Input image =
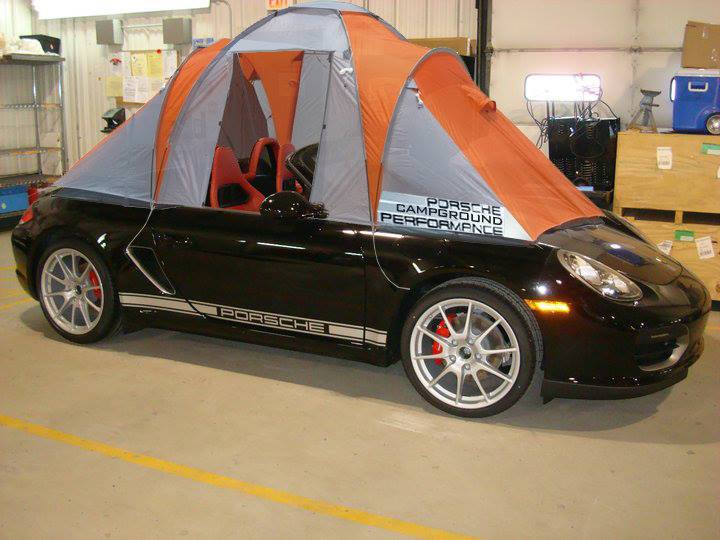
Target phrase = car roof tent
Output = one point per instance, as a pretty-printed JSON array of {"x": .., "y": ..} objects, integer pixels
[{"x": 406, "y": 137}]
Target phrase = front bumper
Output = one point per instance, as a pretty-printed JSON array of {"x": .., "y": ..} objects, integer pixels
[
  {"x": 622, "y": 390},
  {"x": 603, "y": 350}
]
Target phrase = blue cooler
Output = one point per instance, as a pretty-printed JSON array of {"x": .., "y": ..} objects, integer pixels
[
  {"x": 13, "y": 199},
  {"x": 695, "y": 94}
]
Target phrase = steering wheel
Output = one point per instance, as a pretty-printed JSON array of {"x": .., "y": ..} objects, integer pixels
[{"x": 298, "y": 178}]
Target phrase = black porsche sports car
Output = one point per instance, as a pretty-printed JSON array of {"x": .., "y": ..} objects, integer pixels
[{"x": 602, "y": 312}]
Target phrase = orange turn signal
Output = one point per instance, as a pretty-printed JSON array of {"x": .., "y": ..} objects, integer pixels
[{"x": 548, "y": 306}]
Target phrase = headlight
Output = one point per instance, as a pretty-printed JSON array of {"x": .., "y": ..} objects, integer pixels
[{"x": 599, "y": 277}]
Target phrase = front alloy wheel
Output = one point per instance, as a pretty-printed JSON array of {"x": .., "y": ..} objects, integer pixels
[
  {"x": 474, "y": 356},
  {"x": 471, "y": 348}
]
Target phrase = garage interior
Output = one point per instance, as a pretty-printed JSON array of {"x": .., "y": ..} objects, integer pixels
[{"x": 158, "y": 433}]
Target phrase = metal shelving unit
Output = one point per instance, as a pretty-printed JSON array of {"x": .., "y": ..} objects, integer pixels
[{"x": 35, "y": 62}]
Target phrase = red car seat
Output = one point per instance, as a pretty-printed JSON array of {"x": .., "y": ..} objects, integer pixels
[
  {"x": 260, "y": 145},
  {"x": 226, "y": 172}
]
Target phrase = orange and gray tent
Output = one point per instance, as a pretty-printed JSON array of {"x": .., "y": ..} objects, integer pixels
[{"x": 406, "y": 139}]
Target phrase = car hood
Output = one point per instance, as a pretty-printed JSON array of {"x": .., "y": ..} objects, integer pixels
[{"x": 628, "y": 255}]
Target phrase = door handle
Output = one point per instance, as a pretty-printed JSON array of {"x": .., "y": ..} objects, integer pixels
[{"x": 178, "y": 241}]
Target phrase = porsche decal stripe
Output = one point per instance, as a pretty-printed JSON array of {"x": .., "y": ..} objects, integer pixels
[
  {"x": 281, "y": 322},
  {"x": 376, "y": 337},
  {"x": 252, "y": 317},
  {"x": 157, "y": 302}
]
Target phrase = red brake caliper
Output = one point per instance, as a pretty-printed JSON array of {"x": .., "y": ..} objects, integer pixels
[
  {"x": 95, "y": 281},
  {"x": 444, "y": 331}
]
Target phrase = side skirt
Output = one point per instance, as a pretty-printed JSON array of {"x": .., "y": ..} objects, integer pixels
[{"x": 306, "y": 335}]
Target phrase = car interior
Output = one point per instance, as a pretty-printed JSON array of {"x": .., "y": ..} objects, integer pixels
[{"x": 242, "y": 184}]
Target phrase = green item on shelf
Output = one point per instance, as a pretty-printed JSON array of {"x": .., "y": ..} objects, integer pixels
[
  {"x": 684, "y": 236},
  {"x": 712, "y": 149}
]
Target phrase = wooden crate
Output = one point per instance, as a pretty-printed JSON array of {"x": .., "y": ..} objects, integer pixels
[
  {"x": 692, "y": 185},
  {"x": 708, "y": 270}
]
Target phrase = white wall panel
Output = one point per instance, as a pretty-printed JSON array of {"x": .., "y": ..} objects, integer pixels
[
  {"x": 15, "y": 18},
  {"x": 412, "y": 18},
  {"x": 16, "y": 126},
  {"x": 442, "y": 18},
  {"x": 387, "y": 9},
  {"x": 562, "y": 23},
  {"x": 662, "y": 22}
]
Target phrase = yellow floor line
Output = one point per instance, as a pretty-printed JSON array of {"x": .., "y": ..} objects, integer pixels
[
  {"x": 11, "y": 267},
  {"x": 16, "y": 303},
  {"x": 281, "y": 497}
]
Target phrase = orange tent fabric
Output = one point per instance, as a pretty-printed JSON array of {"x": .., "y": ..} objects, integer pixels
[
  {"x": 178, "y": 90},
  {"x": 527, "y": 183},
  {"x": 382, "y": 64},
  {"x": 280, "y": 76}
]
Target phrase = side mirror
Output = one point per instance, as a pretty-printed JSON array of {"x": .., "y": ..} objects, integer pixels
[{"x": 290, "y": 205}]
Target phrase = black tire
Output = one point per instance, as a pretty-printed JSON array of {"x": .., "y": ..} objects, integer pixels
[
  {"x": 512, "y": 309},
  {"x": 110, "y": 318}
]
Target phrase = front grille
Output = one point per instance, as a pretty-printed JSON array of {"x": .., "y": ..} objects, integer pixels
[{"x": 660, "y": 349}]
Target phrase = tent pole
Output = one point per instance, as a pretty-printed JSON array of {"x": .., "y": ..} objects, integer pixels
[{"x": 482, "y": 52}]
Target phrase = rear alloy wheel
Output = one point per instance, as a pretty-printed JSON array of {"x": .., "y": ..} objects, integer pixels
[
  {"x": 469, "y": 349},
  {"x": 713, "y": 124},
  {"x": 76, "y": 293}
]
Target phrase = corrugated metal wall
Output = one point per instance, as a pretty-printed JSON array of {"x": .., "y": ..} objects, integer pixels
[
  {"x": 16, "y": 125},
  {"x": 631, "y": 44}
]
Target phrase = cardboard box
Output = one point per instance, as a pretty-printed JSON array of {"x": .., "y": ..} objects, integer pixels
[{"x": 701, "y": 45}]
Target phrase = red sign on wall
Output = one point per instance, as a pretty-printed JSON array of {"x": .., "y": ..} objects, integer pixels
[{"x": 273, "y": 5}]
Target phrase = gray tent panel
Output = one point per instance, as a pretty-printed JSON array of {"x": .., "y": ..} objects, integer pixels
[
  {"x": 193, "y": 140},
  {"x": 310, "y": 108},
  {"x": 122, "y": 165},
  {"x": 340, "y": 180},
  {"x": 243, "y": 121},
  {"x": 305, "y": 28},
  {"x": 264, "y": 106},
  {"x": 251, "y": 45},
  {"x": 421, "y": 158}
]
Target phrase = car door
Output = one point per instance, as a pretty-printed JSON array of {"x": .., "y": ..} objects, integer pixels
[{"x": 303, "y": 276}]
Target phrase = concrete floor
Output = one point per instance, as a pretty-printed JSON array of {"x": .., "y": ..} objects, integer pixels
[{"x": 333, "y": 430}]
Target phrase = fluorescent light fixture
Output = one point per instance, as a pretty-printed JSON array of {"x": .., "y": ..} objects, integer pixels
[
  {"x": 68, "y": 9},
  {"x": 567, "y": 87}
]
